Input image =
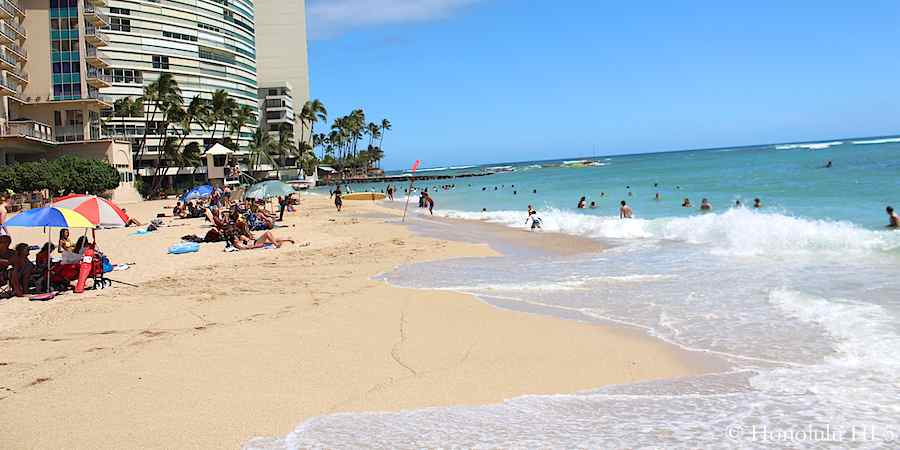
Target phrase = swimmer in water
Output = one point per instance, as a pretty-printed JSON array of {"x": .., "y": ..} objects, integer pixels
[
  {"x": 894, "y": 220},
  {"x": 757, "y": 203},
  {"x": 828, "y": 164},
  {"x": 593, "y": 205},
  {"x": 657, "y": 196},
  {"x": 581, "y": 203},
  {"x": 624, "y": 211},
  {"x": 737, "y": 204},
  {"x": 534, "y": 191},
  {"x": 686, "y": 203},
  {"x": 705, "y": 205}
]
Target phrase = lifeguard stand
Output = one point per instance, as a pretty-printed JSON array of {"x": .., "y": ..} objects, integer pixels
[{"x": 216, "y": 162}]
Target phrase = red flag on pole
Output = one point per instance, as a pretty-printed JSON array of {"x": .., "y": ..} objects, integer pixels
[{"x": 409, "y": 190}]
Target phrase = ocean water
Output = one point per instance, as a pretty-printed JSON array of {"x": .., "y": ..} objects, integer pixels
[{"x": 800, "y": 297}]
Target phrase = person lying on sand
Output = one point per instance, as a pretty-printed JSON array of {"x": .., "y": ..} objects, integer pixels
[{"x": 244, "y": 242}]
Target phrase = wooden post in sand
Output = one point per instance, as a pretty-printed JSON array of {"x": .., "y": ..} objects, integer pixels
[{"x": 412, "y": 179}]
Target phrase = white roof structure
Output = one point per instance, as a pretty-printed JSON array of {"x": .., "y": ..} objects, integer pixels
[{"x": 219, "y": 149}]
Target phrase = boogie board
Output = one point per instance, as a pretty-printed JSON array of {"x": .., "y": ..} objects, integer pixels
[{"x": 371, "y": 196}]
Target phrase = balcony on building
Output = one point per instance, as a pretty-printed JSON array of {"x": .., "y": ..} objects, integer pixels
[
  {"x": 26, "y": 137},
  {"x": 17, "y": 30},
  {"x": 96, "y": 78},
  {"x": 95, "y": 37},
  {"x": 95, "y": 57},
  {"x": 94, "y": 15},
  {"x": 18, "y": 52},
  {"x": 7, "y": 88},
  {"x": 8, "y": 62},
  {"x": 10, "y": 9},
  {"x": 7, "y": 35},
  {"x": 97, "y": 2},
  {"x": 18, "y": 75}
]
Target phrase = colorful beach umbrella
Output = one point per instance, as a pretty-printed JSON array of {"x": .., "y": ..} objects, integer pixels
[
  {"x": 197, "y": 192},
  {"x": 98, "y": 210},
  {"x": 50, "y": 216},
  {"x": 269, "y": 189}
]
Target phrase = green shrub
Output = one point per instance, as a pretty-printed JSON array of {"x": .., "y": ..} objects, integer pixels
[{"x": 61, "y": 176}]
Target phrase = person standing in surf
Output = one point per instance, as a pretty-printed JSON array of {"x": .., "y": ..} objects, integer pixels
[
  {"x": 625, "y": 211},
  {"x": 390, "y": 192},
  {"x": 429, "y": 202},
  {"x": 894, "y": 220}
]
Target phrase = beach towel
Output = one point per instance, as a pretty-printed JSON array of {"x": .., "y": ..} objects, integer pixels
[{"x": 185, "y": 247}]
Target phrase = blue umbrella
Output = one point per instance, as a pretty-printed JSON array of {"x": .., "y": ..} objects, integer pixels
[{"x": 197, "y": 192}]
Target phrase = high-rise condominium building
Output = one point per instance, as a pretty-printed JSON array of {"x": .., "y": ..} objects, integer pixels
[
  {"x": 282, "y": 54},
  {"x": 51, "y": 67},
  {"x": 206, "y": 45}
]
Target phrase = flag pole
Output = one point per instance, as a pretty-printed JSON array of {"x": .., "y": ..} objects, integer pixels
[{"x": 412, "y": 180}]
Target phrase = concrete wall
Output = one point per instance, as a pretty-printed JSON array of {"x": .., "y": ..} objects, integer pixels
[
  {"x": 281, "y": 51},
  {"x": 37, "y": 25}
]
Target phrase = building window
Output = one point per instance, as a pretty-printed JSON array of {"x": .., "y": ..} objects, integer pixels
[
  {"x": 65, "y": 50},
  {"x": 183, "y": 37},
  {"x": 119, "y": 24},
  {"x": 128, "y": 76},
  {"x": 122, "y": 11},
  {"x": 160, "y": 62}
]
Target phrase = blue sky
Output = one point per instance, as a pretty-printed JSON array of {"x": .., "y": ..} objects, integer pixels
[{"x": 475, "y": 81}]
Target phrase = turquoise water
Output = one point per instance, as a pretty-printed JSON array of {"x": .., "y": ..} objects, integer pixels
[
  {"x": 800, "y": 298},
  {"x": 864, "y": 178}
]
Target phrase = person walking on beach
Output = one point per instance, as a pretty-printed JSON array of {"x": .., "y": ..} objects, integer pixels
[
  {"x": 390, "y": 192},
  {"x": 429, "y": 202},
  {"x": 625, "y": 211},
  {"x": 338, "y": 201},
  {"x": 894, "y": 220}
]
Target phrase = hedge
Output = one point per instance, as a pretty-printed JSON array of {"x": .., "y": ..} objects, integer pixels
[{"x": 61, "y": 176}]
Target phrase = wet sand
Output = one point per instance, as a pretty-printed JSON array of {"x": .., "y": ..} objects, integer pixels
[{"x": 213, "y": 348}]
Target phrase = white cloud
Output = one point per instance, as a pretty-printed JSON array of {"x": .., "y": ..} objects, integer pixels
[{"x": 330, "y": 17}]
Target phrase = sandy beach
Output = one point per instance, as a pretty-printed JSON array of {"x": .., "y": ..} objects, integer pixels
[{"x": 209, "y": 350}]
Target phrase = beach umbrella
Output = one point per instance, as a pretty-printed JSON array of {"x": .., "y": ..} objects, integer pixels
[
  {"x": 49, "y": 217},
  {"x": 198, "y": 192},
  {"x": 269, "y": 189},
  {"x": 98, "y": 210}
]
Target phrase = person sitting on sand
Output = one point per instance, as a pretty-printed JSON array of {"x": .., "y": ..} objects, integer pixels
[
  {"x": 894, "y": 220},
  {"x": 625, "y": 211},
  {"x": 42, "y": 259},
  {"x": 757, "y": 203},
  {"x": 65, "y": 244},
  {"x": 705, "y": 205},
  {"x": 20, "y": 276},
  {"x": 686, "y": 203},
  {"x": 581, "y": 203},
  {"x": 132, "y": 222}
]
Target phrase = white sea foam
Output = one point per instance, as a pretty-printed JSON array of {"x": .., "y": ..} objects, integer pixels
[
  {"x": 809, "y": 146},
  {"x": 573, "y": 284},
  {"x": 876, "y": 141},
  {"x": 738, "y": 231}
]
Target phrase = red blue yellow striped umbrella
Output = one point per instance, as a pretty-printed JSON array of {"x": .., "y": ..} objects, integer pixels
[{"x": 50, "y": 216}]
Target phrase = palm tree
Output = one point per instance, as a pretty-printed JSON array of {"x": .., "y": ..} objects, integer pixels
[
  {"x": 161, "y": 93},
  {"x": 222, "y": 107},
  {"x": 285, "y": 144},
  {"x": 239, "y": 118},
  {"x": 385, "y": 126},
  {"x": 374, "y": 132},
  {"x": 313, "y": 111},
  {"x": 260, "y": 148}
]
